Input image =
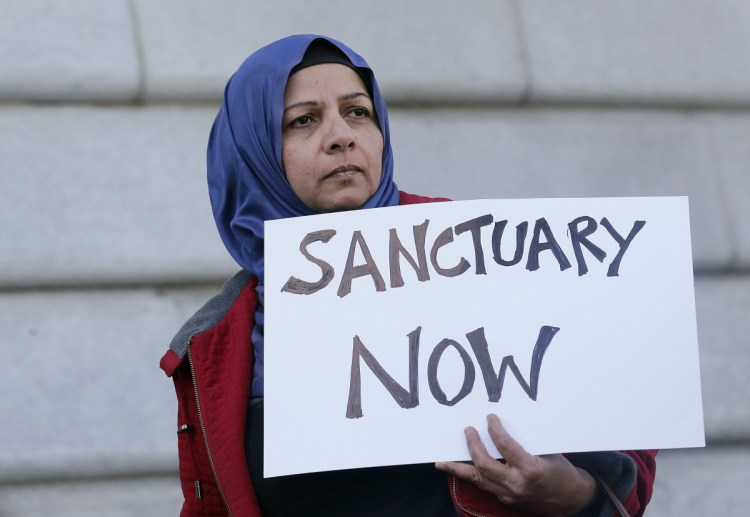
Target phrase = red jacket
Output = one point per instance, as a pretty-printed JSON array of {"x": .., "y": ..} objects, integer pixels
[{"x": 210, "y": 361}]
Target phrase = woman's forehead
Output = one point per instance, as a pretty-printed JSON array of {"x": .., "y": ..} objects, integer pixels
[{"x": 329, "y": 79}]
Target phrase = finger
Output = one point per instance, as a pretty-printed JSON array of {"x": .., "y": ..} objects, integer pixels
[
  {"x": 512, "y": 451},
  {"x": 483, "y": 462},
  {"x": 477, "y": 450},
  {"x": 461, "y": 470}
]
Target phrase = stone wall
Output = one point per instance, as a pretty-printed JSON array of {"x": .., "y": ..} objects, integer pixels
[{"x": 107, "y": 243}]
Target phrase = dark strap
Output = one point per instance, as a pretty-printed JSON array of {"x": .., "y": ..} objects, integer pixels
[{"x": 621, "y": 510}]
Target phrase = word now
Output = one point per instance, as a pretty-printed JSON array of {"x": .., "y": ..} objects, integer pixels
[
  {"x": 410, "y": 399},
  {"x": 543, "y": 239}
]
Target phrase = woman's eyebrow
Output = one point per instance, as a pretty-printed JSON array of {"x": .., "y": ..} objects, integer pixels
[
  {"x": 300, "y": 103},
  {"x": 345, "y": 97},
  {"x": 353, "y": 95}
]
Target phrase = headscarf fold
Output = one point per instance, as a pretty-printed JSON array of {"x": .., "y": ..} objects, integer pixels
[{"x": 246, "y": 181}]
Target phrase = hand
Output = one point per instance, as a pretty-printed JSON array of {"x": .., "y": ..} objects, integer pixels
[{"x": 547, "y": 485}]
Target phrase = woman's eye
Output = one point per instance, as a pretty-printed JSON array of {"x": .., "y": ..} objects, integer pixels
[
  {"x": 359, "y": 112},
  {"x": 304, "y": 120}
]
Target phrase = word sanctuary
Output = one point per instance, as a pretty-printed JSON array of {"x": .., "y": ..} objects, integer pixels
[{"x": 543, "y": 239}]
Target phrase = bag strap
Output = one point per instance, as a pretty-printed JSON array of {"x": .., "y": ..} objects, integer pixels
[{"x": 621, "y": 510}]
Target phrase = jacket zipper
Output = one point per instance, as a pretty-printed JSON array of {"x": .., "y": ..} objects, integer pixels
[
  {"x": 203, "y": 429},
  {"x": 460, "y": 506}
]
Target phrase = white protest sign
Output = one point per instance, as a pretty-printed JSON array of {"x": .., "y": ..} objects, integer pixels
[{"x": 388, "y": 331}]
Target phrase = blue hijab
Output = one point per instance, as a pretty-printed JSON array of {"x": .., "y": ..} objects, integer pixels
[{"x": 246, "y": 181}]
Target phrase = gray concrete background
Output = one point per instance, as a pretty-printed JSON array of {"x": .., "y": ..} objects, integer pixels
[{"x": 107, "y": 242}]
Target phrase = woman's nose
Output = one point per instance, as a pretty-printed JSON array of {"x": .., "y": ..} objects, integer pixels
[{"x": 339, "y": 136}]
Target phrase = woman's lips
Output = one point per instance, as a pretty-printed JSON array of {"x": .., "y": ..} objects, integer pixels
[{"x": 343, "y": 172}]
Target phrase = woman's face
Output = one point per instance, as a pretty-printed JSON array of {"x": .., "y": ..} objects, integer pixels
[{"x": 331, "y": 145}]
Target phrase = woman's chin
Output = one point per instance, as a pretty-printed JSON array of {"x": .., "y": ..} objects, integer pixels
[{"x": 343, "y": 201}]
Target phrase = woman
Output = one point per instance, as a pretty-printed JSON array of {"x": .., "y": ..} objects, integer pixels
[{"x": 303, "y": 129}]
